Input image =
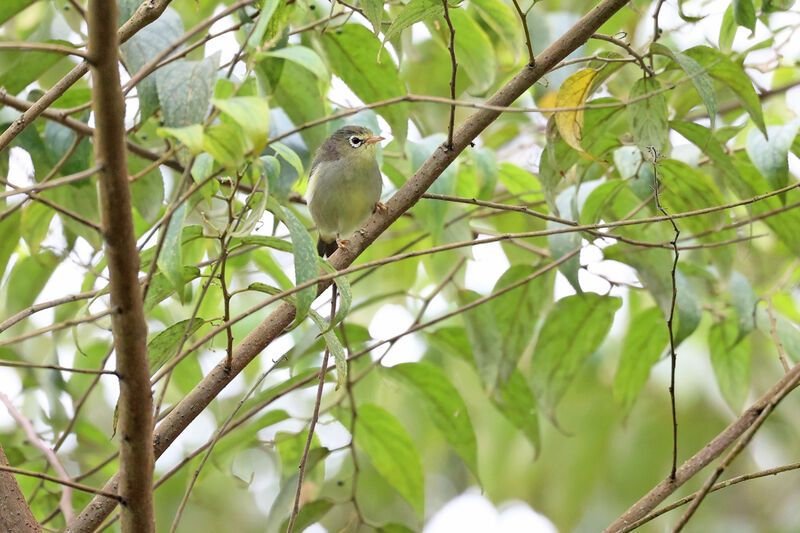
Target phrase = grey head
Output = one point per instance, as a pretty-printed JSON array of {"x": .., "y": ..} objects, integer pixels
[{"x": 345, "y": 142}]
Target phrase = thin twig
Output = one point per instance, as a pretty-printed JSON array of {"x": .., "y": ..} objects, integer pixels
[
  {"x": 25, "y": 313},
  {"x": 717, "y": 486},
  {"x": 773, "y": 331},
  {"x": 524, "y": 20},
  {"x": 55, "y": 327},
  {"x": 453, "y": 72},
  {"x": 628, "y": 48},
  {"x": 673, "y": 357},
  {"x": 77, "y": 486},
  {"x": 65, "y": 503},
  {"x": 44, "y": 47},
  {"x": 313, "y": 424}
]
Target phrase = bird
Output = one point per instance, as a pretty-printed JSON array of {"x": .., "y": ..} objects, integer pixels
[{"x": 344, "y": 186}]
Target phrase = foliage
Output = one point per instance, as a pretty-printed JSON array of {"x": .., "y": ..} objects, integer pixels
[{"x": 541, "y": 370}]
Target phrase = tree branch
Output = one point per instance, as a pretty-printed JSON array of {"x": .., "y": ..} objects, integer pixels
[
  {"x": 711, "y": 451},
  {"x": 272, "y": 326},
  {"x": 15, "y": 514},
  {"x": 65, "y": 503},
  {"x": 146, "y": 13},
  {"x": 127, "y": 322}
]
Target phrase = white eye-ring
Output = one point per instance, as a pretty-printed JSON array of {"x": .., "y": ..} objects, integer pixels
[{"x": 355, "y": 142}]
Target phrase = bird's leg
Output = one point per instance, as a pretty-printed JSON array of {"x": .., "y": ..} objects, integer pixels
[
  {"x": 380, "y": 206},
  {"x": 342, "y": 243}
]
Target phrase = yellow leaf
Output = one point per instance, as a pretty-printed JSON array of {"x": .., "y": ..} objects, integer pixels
[
  {"x": 573, "y": 93},
  {"x": 548, "y": 99}
]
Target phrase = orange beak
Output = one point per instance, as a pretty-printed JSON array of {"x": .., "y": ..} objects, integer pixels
[{"x": 372, "y": 140}]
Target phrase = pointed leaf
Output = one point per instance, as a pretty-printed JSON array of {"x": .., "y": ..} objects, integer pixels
[
  {"x": 573, "y": 93},
  {"x": 645, "y": 341},
  {"x": 731, "y": 361},
  {"x": 392, "y": 452},
  {"x": 162, "y": 346},
  {"x": 574, "y": 328},
  {"x": 647, "y": 118},
  {"x": 445, "y": 407},
  {"x": 305, "y": 263}
]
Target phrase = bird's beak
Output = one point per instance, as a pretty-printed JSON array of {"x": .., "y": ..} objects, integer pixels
[{"x": 373, "y": 140}]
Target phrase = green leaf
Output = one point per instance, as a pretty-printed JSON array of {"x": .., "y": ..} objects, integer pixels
[
  {"x": 744, "y": 301},
  {"x": 28, "y": 66},
  {"x": 516, "y": 402},
  {"x": 562, "y": 244},
  {"x": 257, "y": 37},
  {"x": 309, "y": 514},
  {"x": 730, "y": 358},
  {"x": 303, "y": 56},
  {"x": 503, "y": 21},
  {"x": 9, "y": 8},
  {"x": 413, "y": 12},
  {"x": 645, "y": 341},
  {"x": 445, "y": 407},
  {"x": 688, "y": 189},
  {"x": 351, "y": 54},
  {"x": 161, "y": 287},
  {"x": 147, "y": 192},
  {"x": 145, "y": 45},
  {"x": 27, "y": 279},
  {"x": 297, "y": 91},
  {"x": 517, "y": 311},
  {"x": 700, "y": 79},
  {"x": 744, "y": 14},
  {"x": 648, "y": 118},
  {"x": 251, "y": 113},
  {"x": 771, "y": 156},
  {"x": 788, "y": 332},
  {"x": 289, "y": 155},
  {"x": 373, "y": 9},
  {"x": 721, "y": 68},
  {"x": 394, "y": 528},
  {"x": 170, "y": 260},
  {"x": 227, "y": 144},
  {"x": 392, "y": 452},
  {"x": 335, "y": 347},
  {"x": 263, "y": 240},
  {"x": 305, "y": 263},
  {"x": 35, "y": 223},
  {"x": 190, "y": 136},
  {"x": 185, "y": 89},
  {"x": 10, "y": 229},
  {"x": 80, "y": 198},
  {"x": 162, "y": 346},
  {"x": 484, "y": 337},
  {"x": 727, "y": 30},
  {"x": 474, "y": 50},
  {"x": 687, "y": 308},
  {"x": 574, "y": 328},
  {"x": 432, "y": 213}
]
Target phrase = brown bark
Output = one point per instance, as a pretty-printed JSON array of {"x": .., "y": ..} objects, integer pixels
[
  {"x": 15, "y": 515},
  {"x": 127, "y": 321}
]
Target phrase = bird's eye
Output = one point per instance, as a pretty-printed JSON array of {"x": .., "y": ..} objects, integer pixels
[{"x": 355, "y": 142}]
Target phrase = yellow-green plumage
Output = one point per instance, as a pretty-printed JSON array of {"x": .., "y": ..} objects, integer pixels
[{"x": 344, "y": 185}]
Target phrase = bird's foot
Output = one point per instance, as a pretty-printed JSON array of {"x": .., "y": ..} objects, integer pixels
[
  {"x": 342, "y": 243},
  {"x": 380, "y": 206}
]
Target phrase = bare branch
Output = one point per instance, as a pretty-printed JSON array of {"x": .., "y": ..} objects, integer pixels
[
  {"x": 127, "y": 322},
  {"x": 453, "y": 72},
  {"x": 66, "y": 491},
  {"x": 15, "y": 514}
]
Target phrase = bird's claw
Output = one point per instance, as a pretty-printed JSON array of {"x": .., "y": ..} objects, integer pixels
[
  {"x": 380, "y": 206},
  {"x": 342, "y": 243}
]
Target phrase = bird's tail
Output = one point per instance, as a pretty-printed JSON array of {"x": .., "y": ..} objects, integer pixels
[{"x": 326, "y": 249}]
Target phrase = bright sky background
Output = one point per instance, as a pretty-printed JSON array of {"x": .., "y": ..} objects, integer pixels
[{"x": 470, "y": 511}]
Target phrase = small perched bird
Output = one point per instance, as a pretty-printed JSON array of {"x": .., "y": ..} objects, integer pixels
[{"x": 344, "y": 186}]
